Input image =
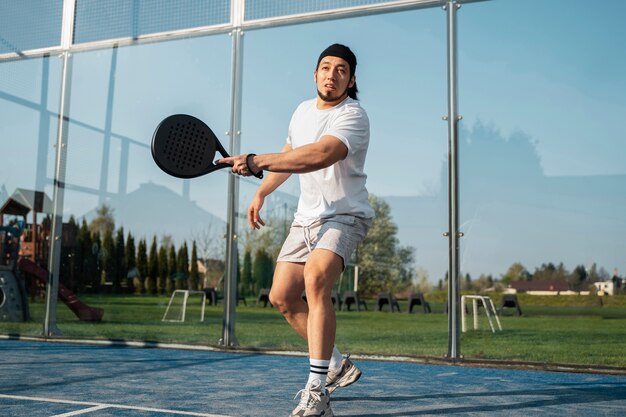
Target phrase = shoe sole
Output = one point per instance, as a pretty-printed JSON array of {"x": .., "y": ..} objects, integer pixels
[{"x": 350, "y": 378}]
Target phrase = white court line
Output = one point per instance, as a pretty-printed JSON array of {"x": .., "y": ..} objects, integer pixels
[
  {"x": 83, "y": 411},
  {"x": 104, "y": 405}
]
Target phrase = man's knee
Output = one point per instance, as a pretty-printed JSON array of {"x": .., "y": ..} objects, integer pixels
[
  {"x": 321, "y": 272},
  {"x": 284, "y": 301},
  {"x": 318, "y": 287}
]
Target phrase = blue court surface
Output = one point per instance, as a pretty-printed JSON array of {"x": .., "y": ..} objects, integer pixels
[{"x": 40, "y": 379}]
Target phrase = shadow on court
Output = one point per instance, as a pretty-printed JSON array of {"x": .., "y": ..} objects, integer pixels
[
  {"x": 60, "y": 379},
  {"x": 558, "y": 397}
]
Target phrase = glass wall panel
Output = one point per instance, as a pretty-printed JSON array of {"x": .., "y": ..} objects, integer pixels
[
  {"x": 138, "y": 231},
  {"x": 403, "y": 90},
  {"x": 29, "y": 99},
  {"x": 97, "y": 20},
  {"x": 542, "y": 174},
  {"x": 30, "y": 24}
]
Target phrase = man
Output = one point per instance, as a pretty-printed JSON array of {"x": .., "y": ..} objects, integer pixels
[{"x": 327, "y": 144}]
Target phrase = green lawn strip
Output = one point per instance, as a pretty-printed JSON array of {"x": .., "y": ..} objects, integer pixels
[{"x": 566, "y": 334}]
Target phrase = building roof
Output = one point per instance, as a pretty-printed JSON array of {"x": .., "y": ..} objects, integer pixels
[
  {"x": 552, "y": 285},
  {"x": 24, "y": 201}
]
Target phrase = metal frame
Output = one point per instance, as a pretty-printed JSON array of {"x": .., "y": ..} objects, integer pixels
[
  {"x": 236, "y": 27},
  {"x": 230, "y": 287},
  {"x": 323, "y": 15},
  {"x": 453, "y": 233},
  {"x": 50, "y": 321}
]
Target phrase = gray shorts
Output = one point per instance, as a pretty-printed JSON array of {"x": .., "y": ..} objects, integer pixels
[{"x": 340, "y": 234}]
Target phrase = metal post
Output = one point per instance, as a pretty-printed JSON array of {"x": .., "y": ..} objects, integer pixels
[
  {"x": 230, "y": 283},
  {"x": 453, "y": 233},
  {"x": 54, "y": 262},
  {"x": 108, "y": 123},
  {"x": 44, "y": 128}
]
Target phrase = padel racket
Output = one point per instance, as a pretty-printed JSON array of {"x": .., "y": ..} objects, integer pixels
[{"x": 184, "y": 146}]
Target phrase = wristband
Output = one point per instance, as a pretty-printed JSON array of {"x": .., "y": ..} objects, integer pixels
[{"x": 259, "y": 174}]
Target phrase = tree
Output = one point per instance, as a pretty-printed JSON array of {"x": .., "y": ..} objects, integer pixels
[
  {"x": 103, "y": 221},
  {"x": 97, "y": 252},
  {"x": 383, "y": 265},
  {"x": 466, "y": 284},
  {"x": 89, "y": 253},
  {"x": 172, "y": 268},
  {"x": 482, "y": 283},
  {"x": 262, "y": 269},
  {"x": 405, "y": 257},
  {"x": 67, "y": 267},
  {"x": 193, "y": 269},
  {"x": 421, "y": 284},
  {"x": 182, "y": 267},
  {"x": 80, "y": 256},
  {"x": 246, "y": 284},
  {"x": 516, "y": 272},
  {"x": 210, "y": 242},
  {"x": 142, "y": 266},
  {"x": 550, "y": 272},
  {"x": 119, "y": 260},
  {"x": 106, "y": 256},
  {"x": 578, "y": 278},
  {"x": 167, "y": 241},
  {"x": 152, "y": 286},
  {"x": 592, "y": 274},
  {"x": 131, "y": 261},
  {"x": 164, "y": 280}
]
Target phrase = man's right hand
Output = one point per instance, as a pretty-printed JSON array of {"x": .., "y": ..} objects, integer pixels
[{"x": 254, "y": 218}]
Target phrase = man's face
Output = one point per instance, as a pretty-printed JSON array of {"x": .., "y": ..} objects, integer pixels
[{"x": 332, "y": 77}]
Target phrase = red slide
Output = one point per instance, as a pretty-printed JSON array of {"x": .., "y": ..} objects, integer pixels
[{"x": 82, "y": 310}]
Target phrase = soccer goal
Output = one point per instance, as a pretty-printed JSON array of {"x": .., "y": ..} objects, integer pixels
[
  {"x": 490, "y": 310},
  {"x": 176, "y": 310}
]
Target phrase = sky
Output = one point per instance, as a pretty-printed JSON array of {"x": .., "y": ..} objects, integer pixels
[{"x": 541, "y": 91}]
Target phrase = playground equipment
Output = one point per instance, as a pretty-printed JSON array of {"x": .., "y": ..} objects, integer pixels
[
  {"x": 80, "y": 309},
  {"x": 13, "y": 300},
  {"x": 33, "y": 237},
  {"x": 23, "y": 250}
]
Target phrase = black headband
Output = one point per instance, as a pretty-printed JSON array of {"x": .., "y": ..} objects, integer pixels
[{"x": 340, "y": 51}]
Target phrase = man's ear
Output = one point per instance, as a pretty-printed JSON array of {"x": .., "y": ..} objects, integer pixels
[{"x": 352, "y": 81}]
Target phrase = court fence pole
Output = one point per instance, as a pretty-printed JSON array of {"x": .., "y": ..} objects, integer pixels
[
  {"x": 453, "y": 234},
  {"x": 230, "y": 281},
  {"x": 54, "y": 261}
]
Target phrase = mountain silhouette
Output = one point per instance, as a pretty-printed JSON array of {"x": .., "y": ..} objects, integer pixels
[
  {"x": 510, "y": 211},
  {"x": 154, "y": 209}
]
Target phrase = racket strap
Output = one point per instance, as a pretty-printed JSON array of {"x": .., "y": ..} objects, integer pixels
[{"x": 259, "y": 174}]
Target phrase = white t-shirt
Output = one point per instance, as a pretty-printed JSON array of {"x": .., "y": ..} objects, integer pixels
[{"x": 340, "y": 188}]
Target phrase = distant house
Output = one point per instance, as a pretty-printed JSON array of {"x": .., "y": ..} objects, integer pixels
[
  {"x": 605, "y": 287},
  {"x": 539, "y": 287}
]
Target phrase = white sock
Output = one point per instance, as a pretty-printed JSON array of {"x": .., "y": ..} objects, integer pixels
[
  {"x": 336, "y": 359},
  {"x": 317, "y": 373}
]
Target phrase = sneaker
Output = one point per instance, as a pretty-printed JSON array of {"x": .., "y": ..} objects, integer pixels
[
  {"x": 313, "y": 403},
  {"x": 342, "y": 377}
]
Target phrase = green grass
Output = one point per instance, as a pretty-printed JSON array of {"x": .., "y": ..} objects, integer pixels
[{"x": 559, "y": 332}]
